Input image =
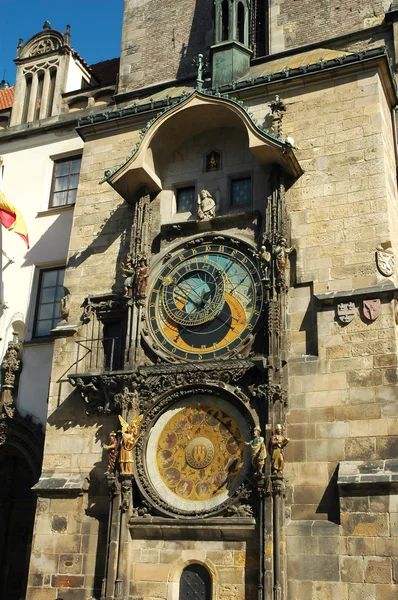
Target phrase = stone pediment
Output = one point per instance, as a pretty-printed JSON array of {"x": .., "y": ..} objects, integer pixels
[
  {"x": 41, "y": 44},
  {"x": 192, "y": 115}
]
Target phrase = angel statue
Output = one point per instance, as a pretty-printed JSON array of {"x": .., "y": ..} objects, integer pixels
[{"x": 129, "y": 440}]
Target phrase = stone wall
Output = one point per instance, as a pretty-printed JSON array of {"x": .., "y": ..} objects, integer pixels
[
  {"x": 161, "y": 39},
  {"x": 320, "y": 20}
]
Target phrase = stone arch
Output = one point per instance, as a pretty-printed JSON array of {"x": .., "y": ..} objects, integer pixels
[
  {"x": 194, "y": 115},
  {"x": 177, "y": 568},
  {"x": 19, "y": 471}
]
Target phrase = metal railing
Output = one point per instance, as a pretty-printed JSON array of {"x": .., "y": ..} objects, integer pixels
[{"x": 99, "y": 355}]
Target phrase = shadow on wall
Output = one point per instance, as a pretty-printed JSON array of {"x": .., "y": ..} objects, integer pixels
[
  {"x": 200, "y": 36},
  {"x": 118, "y": 224}
]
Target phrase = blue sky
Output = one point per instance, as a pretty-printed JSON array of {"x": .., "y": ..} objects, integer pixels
[{"x": 96, "y": 27}]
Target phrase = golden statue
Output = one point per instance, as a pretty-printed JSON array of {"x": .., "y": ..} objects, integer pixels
[
  {"x": 129, "y": 440},
  {"x": 277, "y": 444}
]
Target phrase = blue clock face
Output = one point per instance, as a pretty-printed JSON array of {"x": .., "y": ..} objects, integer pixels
[{"x": 205, "y": 303}]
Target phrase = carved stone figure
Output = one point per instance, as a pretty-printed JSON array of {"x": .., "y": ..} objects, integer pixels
[
  {"x": 128, "y": 273},
  {"x": 129, "y": 440},
  {"x": 141, "y": 277},
  {"x": 265, "y": 259},
  {"x": 258, "y": 451},
  {"x": 385, "y": 260},
  {"x": 112, "y": 448},
  {"x": 281, "y": 252},
  {"x": 64, "y": 307},
  {"x": 277, "y": 444},
  {"x": 206, "y": 205}
]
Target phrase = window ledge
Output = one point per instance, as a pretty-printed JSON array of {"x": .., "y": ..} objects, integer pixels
[
  {"x": 55, "y": 210},
  {"x": 48, "y": 339}
]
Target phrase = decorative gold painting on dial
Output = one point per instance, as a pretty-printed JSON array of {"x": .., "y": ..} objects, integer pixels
[{"x": 199, "y": 452}]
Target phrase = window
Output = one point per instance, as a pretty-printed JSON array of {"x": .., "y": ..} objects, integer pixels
[
  {"x": 185, "y": 199},
  {"x": 49, "y": 294},
  {"x": 28, "y": 90},
  {"x": 241, "y": 191},
  {"x": 65, "y": 181},
  {"x": 39, "y": 94}
]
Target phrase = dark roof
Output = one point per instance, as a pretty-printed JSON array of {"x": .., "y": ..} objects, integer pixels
[
  {"x": 6, "y": 97},
  {"x": 106, "y": 71}
]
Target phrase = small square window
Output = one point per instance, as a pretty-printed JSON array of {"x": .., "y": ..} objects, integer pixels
[
  {"x": 241, "y": 191},
  {"x": 185, "y": 197},
  {"x": 65, "y": 181},
  {"x": 49, "y": 294}
]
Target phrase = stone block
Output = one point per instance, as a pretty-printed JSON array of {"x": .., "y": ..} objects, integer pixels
[
  {"x": 395, "y": 570},
  {"x": 360, "y": 448},
  {"x": 378, "y": 570},
  {"x": 387, "y": 447},
  {"x": 365, "y": 525},
  {"x": 352, "y": 569},
  {"x": 41, "y": 594},
  {"x": 386, "y": 547},
  {"x": 221, "y": 558},
  {"x": 150, "y": 556},
  {"x": 386, "y": 592},
  {"x": 67, "y": 581},
  {"x": 70, "y": 563},
  {"x": 308, "y": 494},
  {"x": 151, "y": 572},
  {"x": 301, "y": 545},
  {"x": 148, "y": 589},
  {"x": 71, "y": 594},
  {"x": 330, "y": 591},
  {"x": 234, "y": 575},
  {"x": 313, "y": 568},
  {"x": 364, "y": 591}
]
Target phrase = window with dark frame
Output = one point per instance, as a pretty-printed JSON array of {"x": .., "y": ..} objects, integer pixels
[
  {"x": 49, "y": 294},
  {"x": 185, "y": 197},
  {"x": 241, "y": 191},
  {"x": 65, "y": 181}
]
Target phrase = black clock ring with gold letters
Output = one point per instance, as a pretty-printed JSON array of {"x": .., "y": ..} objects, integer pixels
[{"x": 205, "y": 302}]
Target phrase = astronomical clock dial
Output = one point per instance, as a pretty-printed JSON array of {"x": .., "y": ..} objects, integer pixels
[
  {"x": 205, "y": 302},
  {"x": 196, "y": 456}
]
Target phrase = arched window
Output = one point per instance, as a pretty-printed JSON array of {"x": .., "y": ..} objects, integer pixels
[
  {"x": 240, "y": 23},
  {"x": 51, "y": 91},
  {"x": 40, "y": 83},
  {"x": 195, "y": 583},
  {"x": 225, "y": 21},
  {"x": 28, "y": 90}
]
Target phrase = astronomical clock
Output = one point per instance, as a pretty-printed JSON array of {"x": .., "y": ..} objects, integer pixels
[{"x": 205, "y": 303}]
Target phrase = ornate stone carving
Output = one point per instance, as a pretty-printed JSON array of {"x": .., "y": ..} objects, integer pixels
[
  {"x": 277, "y": 107},
  {"x": 11, "y": 367},
  {"x": 206, "y": 205},
  {"x": 385, "y": 260},
  {"x": 371, "y": 309},
  {"x": 346, "y": 312}
]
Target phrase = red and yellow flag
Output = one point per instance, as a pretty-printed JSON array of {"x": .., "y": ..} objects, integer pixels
[{"x": 12, "y": 219}]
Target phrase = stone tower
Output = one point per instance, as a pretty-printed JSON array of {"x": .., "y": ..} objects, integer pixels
[{"x": 222, "y": 415}]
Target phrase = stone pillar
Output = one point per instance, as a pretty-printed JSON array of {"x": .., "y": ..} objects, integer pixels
[{"x": 44, "y": 96}]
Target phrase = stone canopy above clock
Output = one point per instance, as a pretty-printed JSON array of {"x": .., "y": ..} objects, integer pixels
[{"x": 184, "y": 134}]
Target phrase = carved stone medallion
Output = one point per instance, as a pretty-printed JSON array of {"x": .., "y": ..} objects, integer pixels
[
  {"x": 199, "y": 453},
  {"x": 346, "y": 312},
  {"x": 371, "y": 309},
  {"x": 385, "y": 261}
]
